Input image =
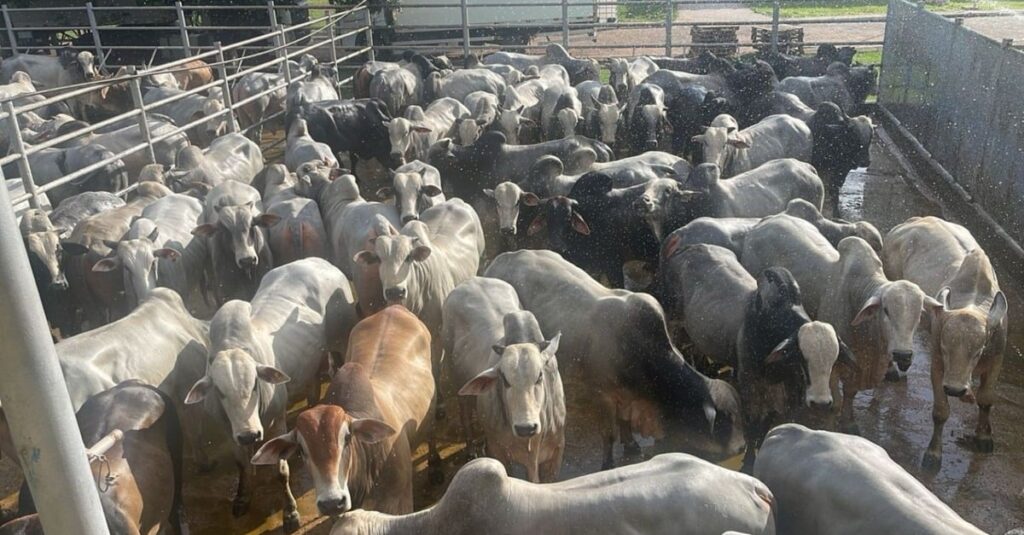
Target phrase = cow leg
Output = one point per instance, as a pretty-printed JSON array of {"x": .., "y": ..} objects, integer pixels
[
  {"x": 847, "y": 422},
  {"x": 466, "y": 410},
  {"x": 611, "y": 419},
  {"x": 549, "y": 470},
  {"x": 290, "y": 514},
  {"x": 436, "y": 355},
  {"x": 630, "y": 448},
  {"x": 940, "y": 413},
  {"x": 435, "y": 473},
  {"x": 243, "y": 496},
  {"x": 986, "y": 397}
]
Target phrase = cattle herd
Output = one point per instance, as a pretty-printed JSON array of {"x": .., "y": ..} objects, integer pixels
[{"x": 474, "y": 245}]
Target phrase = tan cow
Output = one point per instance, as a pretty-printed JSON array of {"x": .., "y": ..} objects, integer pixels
[
  {"x": 358, "y": 442},
  {"x": 193, "y": 74},
  {"x": 968, "y": 332}
]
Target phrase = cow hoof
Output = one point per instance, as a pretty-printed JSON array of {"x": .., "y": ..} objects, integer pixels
[
  {"x": 850, "y": 428},
  {"x": 291, "y": 522},
  {"x": 984, "y": 444},
  {"x": 239, "y": 508},
  {"x": 931, "y": 461},
  {"x": 631, "y": 449},
  {"x": 893, "y": 375}
]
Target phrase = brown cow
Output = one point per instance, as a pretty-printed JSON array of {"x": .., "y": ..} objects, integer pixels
[
  {"x": 358, "y": 442},
  {"x": 198, "y": 73},
  {"x": 139, "y": 474}
]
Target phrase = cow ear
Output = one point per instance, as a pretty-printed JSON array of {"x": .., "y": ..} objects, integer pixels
[
  {"x": 931, "y": 305},
  {"x": 430, "y": 190},
  {"x": 272, "y": 375},
  {"x": 738, "y": 142},
  {"x": 538, "y": 224},
  {"x": 153, "y": 235},
  {"x": 370, "y": 430},
  {"x": 780, "y": 352},
  {"x": 698, "y": 139},
  {"x": 386, "y": 193},
  {"x": 943, "y": 297},
  {"x": 73, "y": 249},
  {"x": 366, "y": 258},
  {"x": 107, "y": 264},
  {"x": 529, "y": 199},
  {"x": 276, "y": 450},
  {"x": 198, "y": 391},
  {"x": 206, "y": 229},
  {"x": 421, "y": 130},
  {"x": 169, "y": 254},
  {"x": 550, "y": 347},
  {"x": 420, "y": 253},
  {"x": 997, "y": 311},
  {"x": 868, "y": 310},
  {"x": 579, "y": 224},
  {"x": 489, "y": 192},
  {"x": 583, "y": 159},
  {"x": 267, "y": 220},
  {"x": 483, "y": 382}
]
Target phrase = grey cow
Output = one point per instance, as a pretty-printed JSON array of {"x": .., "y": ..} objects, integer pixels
[
  {"x": 232, "y": 157},
  {"x": 496, "y": 351},
  {"x": 48, "y": 72},
  {"x": 189, "y": 109}
]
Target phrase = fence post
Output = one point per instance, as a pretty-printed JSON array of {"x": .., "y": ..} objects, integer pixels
[
  {"x": 95, "y": 34},
  {"x": 18, "y": 147},
  {"x": 369, "y": 33},
  {"x": 283, "y": 53},
  {"x": 136, "y": 90},
  {"x": 10, "y": 31},
  {"x": 334, "y": 56},
  {"x": 565, "y": 24},
  {"x": 669, "y": 19},
  {"x": 464, "y": 9},
  {"x": 222, "y": 70},
  {"x": 272, "y": 13},
  {"x": 775, "y": 25},
  {"x": 183, "y": 29}
]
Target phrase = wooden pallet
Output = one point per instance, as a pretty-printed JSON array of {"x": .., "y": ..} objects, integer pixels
[
  {"x": 724, "y": 37},
  {"x": 791, "y": 39}
]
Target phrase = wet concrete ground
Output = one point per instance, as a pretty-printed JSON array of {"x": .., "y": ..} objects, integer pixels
[{"x": 985, "y": 488}]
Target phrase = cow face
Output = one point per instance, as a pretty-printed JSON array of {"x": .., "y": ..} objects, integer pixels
[
  {"x": 139, "y": 259},
  {"x": 814, "y": 350},
  {"x": 241, "y": 228},
  {"x": 519, "y": 376},
  {"x": 83, "y": 62},
  {"x": 962, "y": 336},
  {"x": 558, "y": 217},
  {"x": 398, "y": 256},
  {"x": 313, "y": 177},
  {"x": 619, "y": 76},
  {"x": 243, "y": 389},
  {"x": 662, "y": 197},
  {"x": 508, "y": 196},
  {"x": 509, "y": 121},
  {"x": 42, "y": 242},
  {"x": 896, "y": 307},
  {"x": 608, "y": 121},
  {"x": 567, "y": 121},
  {"x": 410, "y": 192},
  {"x": 468, "y": 130},
  {"x": 329, "y": 439},
  {"x": 719, "y": 141}
]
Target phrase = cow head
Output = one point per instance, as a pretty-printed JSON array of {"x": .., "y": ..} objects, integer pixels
[
  {"x": 719, "y": 142},
  {"x": 83, "y": 63},
  {"x": 243, "y": 387},
  {"x": 508, "y": 196},
  {"x": 110, "y": 177},
  {"x": 895, "y": 307},
  {"x": 558, "y": 217},
  {"x": 509, "y": 121},
  {"x": 329, "y": 439},
  {"x": 42, "y": 242},
  {"x": 138, "y": 257},
  {"x": 401, "y": 132},
  {"x": 217, "y": 125},
  {"x": 240, "y": 225},
  {"x": 810, "y": 354},
  {"x": 566, "y": 121},
  {"x": 964, "y": 333},
  {"x": 468, "y": 129},
  {"x": 411, "y": 191},
  {"x": 518, "y": 377},
  {"x": 660, "y": 198},
  {"x": 607, "y": 116},
  {"x": 398, "y": 256},
  {"x": 619, "y": 76},
  {"x": 313, "y": 177}
]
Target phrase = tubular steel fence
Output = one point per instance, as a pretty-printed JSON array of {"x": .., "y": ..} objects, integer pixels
[
  {"x": 959, "y": 94},
  {"x": 323, "y": 40}
]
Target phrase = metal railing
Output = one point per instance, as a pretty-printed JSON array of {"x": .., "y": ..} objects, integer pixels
[{"x": 324, "y": 39}]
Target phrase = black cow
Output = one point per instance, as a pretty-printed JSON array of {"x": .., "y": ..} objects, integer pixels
[
  {"x": 705, "y": 63},
  {"x": 779, "y": 344},
  {"x": 786, "y": 65},
  {"x": 355, "y": 127},
  {"x": 840, "y": 144},
  {"x": 646, "y": 118}
]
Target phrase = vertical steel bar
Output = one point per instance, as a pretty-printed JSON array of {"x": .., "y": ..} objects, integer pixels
[
  {"x": 369, "y": 33},
  {"x": 222, "y": 71},
  {"x": 95, "y": 34},
  {"x": 669, "y": 19},
  {"x": 35, "y": 397},
  {"x": 272, "y": 13},
  {"x": 464, "y": 10},
  {"x": 775, "y": 25},
  {"x": 334, "y": 54},
  {"x": 136, "y": 91},
  {"x": 18, "y": 147},
  {"x": 183, "y": 29},
  {"x": 565, "y": 24},
  {"x": 10, "y": 30},
  {"x": 282, "y": 53}
]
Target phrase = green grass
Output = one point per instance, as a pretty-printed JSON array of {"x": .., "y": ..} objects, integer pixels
[
  {"x": 869, "y": 56},
  {"x": 834, "y": 8},
  {"x": 633, "y": 12}
]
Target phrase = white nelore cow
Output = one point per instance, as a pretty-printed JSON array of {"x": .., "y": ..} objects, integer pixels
[
  {"x": 301, "y": 148},
  {"x": 411, "y": 136},
  {"x": 736, "y": 151},
  {"x": 230, "y": 157},
  {"x": 48, "y": 72},
  {"x": 968, "y": 330},
  {"x": 496, "y": 351},
  {"x": 670, "y": 494},
  {"x": 192, "y": 108},
  {"x": 845, "y": 287},
  {"x": 836, "y": 484},
  {"x": 415, "y": 186},
  {"x": 264, "y": 356},
  {"x": 461, "y": 83},
  {"x": 625, "y": 75}
]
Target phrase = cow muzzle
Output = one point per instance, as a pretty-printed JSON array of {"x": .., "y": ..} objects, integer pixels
[
  {"x": 409, "y": 217},
  {"x": 526, "y": 430},
  {"x": 820, "y": 405},
  {"x": 333, "y": 506},
  {"x": 248, "y": 262},
  {"x": 955, "y": 391},
  {"x": 903, "y": 359},
  {"x": 507, "y": 231},
  {"x": 395, "y": 295},
  {"x": 248, "y": 438}
]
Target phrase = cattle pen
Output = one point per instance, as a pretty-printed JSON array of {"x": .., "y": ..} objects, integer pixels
[{"x": 949, "y": 142}]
